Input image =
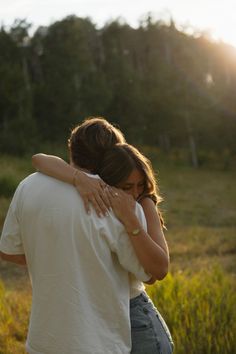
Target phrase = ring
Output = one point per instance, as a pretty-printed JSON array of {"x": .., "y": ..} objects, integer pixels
[{"x": 116, "y": 194}]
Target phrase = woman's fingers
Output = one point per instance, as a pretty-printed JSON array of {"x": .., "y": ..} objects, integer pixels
[
  {"x": 99, "y": 201},
  {"x": 102, "y": 204},
  {"x": 94, "y": 193},
  {"x": 86, "y": 204},
  {"x": 104, "y": 196},
  {"x": 98, "y": 205}
]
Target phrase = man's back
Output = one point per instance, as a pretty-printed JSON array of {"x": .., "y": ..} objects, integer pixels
[{"x": 80, "y": 290}]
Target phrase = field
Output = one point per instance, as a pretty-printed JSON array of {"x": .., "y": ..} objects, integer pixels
[{"x": 197, "y": 298}]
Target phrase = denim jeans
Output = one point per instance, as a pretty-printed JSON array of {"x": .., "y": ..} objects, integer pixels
[{"x": 149, "y": 332}]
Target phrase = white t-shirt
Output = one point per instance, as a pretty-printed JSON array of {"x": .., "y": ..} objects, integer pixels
[{"x": 78, "y": 265}]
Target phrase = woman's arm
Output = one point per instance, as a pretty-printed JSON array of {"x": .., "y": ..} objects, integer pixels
[
  {"x": 91, "y": 189},
  {"x": 150, "y": 247},
  {"x": 154, "y": 227},
  {"x": 54, "y": 166}
]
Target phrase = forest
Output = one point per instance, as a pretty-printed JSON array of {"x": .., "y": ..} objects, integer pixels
[{"x": 163, "y": 87}]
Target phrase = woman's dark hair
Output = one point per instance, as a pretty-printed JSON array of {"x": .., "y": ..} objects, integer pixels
[
  {"x": 89, "y": 141},
  {"x": 118, "y": 163}
]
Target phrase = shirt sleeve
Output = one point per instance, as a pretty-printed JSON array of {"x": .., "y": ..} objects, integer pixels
[
  {"x": 10, "y": 242},
  {"x": 122, "y": 246}
]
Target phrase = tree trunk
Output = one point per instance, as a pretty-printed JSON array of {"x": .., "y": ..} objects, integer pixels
[{"x": 192, "y": 142}]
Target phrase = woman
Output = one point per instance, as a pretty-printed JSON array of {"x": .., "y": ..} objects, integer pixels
[{"x": 131, "y": 173}]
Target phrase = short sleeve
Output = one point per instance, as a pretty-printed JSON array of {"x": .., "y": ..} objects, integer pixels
[
  {"x": 10, "y": 242},
  {"x": 140, "y": 214},
  {"x": 122, "y": 246}
]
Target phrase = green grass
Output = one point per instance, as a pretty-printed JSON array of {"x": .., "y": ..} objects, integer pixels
[
  {"x": 199, "y": 208},
  {"x": 197, "y": 298},
  {"x": 199, "y": 310}
]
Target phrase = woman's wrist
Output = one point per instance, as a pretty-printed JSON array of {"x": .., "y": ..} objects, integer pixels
[
  {"x": 132, "y": 225},
  {"x": 76, "y": 177}
]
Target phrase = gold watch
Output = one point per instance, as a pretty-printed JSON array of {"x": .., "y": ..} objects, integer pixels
[{"x": 134, "y": 232}]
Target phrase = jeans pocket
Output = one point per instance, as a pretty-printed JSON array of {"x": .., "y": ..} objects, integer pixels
[{"x": 139, "y": 319}]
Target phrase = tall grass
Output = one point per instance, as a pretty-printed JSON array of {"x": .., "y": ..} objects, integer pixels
[
  {"x": 196, "y": 299},
  {"x": 14, "y": 314},
  {"x": 199, "y": 310}
]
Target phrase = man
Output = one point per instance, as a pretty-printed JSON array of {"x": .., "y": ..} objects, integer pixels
[{"x": 78, "y": 263}]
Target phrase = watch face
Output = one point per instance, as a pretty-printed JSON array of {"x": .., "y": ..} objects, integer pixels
[{"x": 135, "y": 232}]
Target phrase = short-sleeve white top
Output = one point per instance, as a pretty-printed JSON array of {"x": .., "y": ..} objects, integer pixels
[{"x": 79, "y": 267}]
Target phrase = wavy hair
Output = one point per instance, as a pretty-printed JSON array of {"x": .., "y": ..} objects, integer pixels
[{"x": 117, "y": 164}]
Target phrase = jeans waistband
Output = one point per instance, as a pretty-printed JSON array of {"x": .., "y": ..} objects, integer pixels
[{"x": 142, "y": 297}]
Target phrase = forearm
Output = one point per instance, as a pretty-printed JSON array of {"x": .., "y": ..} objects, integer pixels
[
  {"x": 54, "y": 166},
  {"x": 152, "y": 257},
  {"x": 154, "y": 227},
  {"x": 14, "y": 258}
]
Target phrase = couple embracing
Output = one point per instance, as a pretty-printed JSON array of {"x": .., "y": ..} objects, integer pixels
[{"x": 89, "y": 253}]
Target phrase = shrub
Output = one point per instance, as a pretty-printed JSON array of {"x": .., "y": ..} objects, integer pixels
[{"x": 8, "y": 185}]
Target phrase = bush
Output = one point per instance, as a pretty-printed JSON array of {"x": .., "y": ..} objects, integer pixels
[
  {"x": 8, "y": 185},
  {"x": 199, "y": 310}
]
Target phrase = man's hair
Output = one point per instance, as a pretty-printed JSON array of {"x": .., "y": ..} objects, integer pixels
[{"x": 89, "y": 141}]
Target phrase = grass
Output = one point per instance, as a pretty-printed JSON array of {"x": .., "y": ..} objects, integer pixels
[
  {"x": 199, "y": 208},
  {"x": 198, "y": 310},
  {"x": 14, "y": 315},
  {"x": 197, "y": 298}
]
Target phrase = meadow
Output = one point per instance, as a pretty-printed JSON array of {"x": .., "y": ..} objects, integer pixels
[{"x": 198, "y": 296}]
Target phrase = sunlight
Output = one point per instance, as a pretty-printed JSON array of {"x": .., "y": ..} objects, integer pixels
[{"x": 224, "y": 36}]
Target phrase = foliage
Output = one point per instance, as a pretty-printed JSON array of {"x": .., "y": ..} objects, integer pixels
[
  {"x": 162, "y": 86},
  {"x": 12, "y": 171},
  {"x": 199, "y": 310},
  {"x": 7, "y": 186}
]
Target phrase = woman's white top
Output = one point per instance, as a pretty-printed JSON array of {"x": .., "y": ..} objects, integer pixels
[{"x": 136, "y": 286}]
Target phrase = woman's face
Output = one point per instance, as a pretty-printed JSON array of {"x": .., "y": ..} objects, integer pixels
[{"x": 134, "y": 184}]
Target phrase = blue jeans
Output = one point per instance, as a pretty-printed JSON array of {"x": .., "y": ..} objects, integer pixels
[{"x": 149, "y": 332}]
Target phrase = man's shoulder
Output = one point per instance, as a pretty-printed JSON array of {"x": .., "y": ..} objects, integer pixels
[
  {"x": 33, "y": 177},
  {"x": 41, "y": 179},
  {"x": 38, "y": 184}
]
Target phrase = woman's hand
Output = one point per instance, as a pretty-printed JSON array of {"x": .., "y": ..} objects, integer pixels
[
  {"x": 91, "y": 189},
  {"x": 94, "y": 191},
  {"x": 123, "y": 205}
]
